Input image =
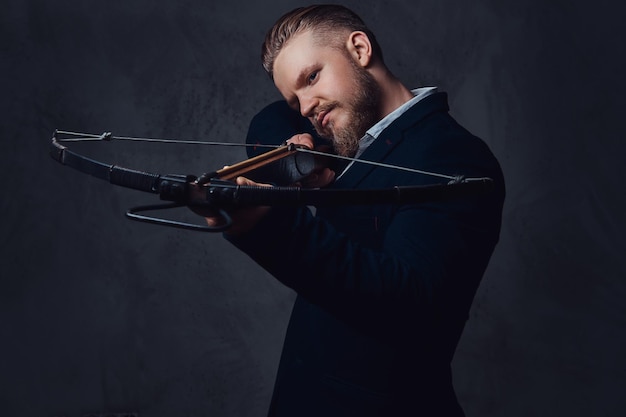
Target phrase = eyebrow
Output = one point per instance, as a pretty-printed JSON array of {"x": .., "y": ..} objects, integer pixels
[{"x": 305, "y": 73}]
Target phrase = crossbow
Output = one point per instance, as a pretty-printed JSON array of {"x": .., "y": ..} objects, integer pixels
[{"x": 216, "y": 192}]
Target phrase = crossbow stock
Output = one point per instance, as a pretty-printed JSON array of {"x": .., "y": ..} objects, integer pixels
[{"x": 215, "y": 192}]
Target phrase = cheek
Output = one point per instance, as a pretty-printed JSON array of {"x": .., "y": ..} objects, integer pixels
[
  {"x": 342, "y": 119},
  {"x": 338, "y": 86},
  {"x": 347, "y": 90}
]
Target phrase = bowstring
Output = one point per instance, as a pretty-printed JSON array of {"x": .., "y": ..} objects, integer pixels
[
  {"x": 379, "y": 164},
  {"x": 90, "y": 137},
  {"x": 83, "y": 137}
]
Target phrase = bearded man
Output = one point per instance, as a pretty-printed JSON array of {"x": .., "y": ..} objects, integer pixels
[{"x": 383, "y": 291}]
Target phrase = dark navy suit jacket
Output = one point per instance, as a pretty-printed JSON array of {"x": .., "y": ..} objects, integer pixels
[{"x": 383, "y": 290}]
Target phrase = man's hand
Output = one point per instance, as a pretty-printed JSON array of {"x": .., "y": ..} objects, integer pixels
[
  {"x": 244, "y": 219},
  {"x": 320, "y": 177}
]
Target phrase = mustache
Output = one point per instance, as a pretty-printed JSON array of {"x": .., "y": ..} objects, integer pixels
[{"x": 322, "y": 108}]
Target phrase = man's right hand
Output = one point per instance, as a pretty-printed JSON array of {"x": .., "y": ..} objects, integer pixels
[{"x": 322, "y": 176}]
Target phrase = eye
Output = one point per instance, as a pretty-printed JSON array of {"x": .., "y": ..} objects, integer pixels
[{"x": 313, "y": 77}]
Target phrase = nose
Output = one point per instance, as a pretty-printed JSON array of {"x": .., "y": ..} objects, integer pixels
[{"x": 308, "y": 104}]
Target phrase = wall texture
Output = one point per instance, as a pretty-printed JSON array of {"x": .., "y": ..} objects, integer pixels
[{"x": 101, "y": 315}]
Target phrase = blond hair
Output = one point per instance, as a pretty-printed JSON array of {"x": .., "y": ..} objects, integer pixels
[{"x": 326, "y": 21}]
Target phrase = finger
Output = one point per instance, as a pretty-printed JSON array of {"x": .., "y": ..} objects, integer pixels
[
  {"x": 303, "y": 139},
  {"x": 249, "y": 182},
  {"x": 213, "y": 221},
  {"x": 244, "y": 181}
]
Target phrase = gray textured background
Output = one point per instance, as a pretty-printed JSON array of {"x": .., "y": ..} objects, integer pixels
[{"x": 100, "y": 315}]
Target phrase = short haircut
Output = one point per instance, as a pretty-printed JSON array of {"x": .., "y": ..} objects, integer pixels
[{"x": 326, "y": 21}]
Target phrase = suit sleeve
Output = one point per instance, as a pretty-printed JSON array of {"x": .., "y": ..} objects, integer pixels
[{"x": 429, "y": 261}]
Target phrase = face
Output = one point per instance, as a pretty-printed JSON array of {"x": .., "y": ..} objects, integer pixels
[{"x": 330, "y": 88}]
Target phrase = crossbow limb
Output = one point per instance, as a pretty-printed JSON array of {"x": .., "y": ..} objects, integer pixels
[{"x": 216, "y": 193}]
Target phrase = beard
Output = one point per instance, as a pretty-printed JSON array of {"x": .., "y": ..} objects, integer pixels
[{"x": 362, "y": 109}]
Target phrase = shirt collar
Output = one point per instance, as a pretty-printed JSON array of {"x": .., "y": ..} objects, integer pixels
[{"x": 374, "y": 131}]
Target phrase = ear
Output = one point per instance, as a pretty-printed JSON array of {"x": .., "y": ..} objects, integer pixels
[{"x": 360, "y": 48}]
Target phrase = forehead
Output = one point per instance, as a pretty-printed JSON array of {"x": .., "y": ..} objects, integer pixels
[{"x": 300, "y": 53}]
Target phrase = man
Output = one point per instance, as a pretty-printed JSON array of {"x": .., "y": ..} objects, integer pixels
[{"x": 383, "y": 290}]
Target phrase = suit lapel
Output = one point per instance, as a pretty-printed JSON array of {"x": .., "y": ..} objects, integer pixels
[{"x": 390, "y": 138}]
